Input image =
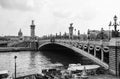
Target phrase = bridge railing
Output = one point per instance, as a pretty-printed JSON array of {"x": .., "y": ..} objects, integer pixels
[{"x": 104, "y": 43}]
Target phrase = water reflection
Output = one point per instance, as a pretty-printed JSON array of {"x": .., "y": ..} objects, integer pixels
[{"x": 32, "y": 61}]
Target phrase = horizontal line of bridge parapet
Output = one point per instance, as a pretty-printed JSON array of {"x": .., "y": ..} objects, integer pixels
[
  {"x": 99, "y": 43},
  {"x": 78, "y": 42},
  {"x": 83, "y": 45}
]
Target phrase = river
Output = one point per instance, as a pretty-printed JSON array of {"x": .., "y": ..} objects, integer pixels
[{"x": 35, "y": 61}]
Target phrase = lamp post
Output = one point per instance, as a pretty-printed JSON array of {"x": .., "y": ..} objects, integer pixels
[
  {"x": 15, "y": 65},
  {"x": 109, "y": 30},
  {"x": 88, "y": 37},
  {"x": 78, "y": 34},
  {"x": 88, "y": 33},
  {"x": 60, "y": 35},
  {"x": 75, "y": 34},
  {"x": 56, "y": 35},
  {"x": 115, "y": 24},
  {"x": 102, "y": 32}
]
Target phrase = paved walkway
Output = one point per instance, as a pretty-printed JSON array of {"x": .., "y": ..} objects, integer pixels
[{"x": 103, "y": 77}]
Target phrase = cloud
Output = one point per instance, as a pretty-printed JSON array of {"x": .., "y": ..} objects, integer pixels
[
  {"x": 62, "y": 13},
  {"x": 88, "y": 14},
  {"x": 17, "y": 4}
]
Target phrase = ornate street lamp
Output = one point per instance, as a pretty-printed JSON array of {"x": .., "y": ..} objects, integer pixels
[
  {"x": 115, "y": 33},
  {"x": 115, "y": 24},
  {"x": 75, "y": 31},
  {"x": 88, "y": 37},
  {"x": 115, "y": 18},
  {"x": 56, "y": 36},
  {"x": 75, "y": 34},
  {"x": 78, "y": 34},
  {"x": 109, "y": 30},
  {"x": 15, "y": 65},
  {"x": 88, "y": 33},
  {"x": 60, "y": 35},
  {"x": 102, "y": 37}
]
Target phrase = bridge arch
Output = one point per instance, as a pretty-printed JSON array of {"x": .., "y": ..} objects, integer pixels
[
  {"x": 52, "y": 46},
  {"x": 80, "y": 51}
]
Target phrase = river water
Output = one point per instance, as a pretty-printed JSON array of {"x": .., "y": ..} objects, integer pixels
[{"x": 35, "y": 61}]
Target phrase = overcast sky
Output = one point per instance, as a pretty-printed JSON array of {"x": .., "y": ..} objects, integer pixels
[{"x": 54, "y": 16}]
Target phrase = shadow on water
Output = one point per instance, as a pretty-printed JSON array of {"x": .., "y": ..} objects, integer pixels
[{"x": 63, "y": 55}]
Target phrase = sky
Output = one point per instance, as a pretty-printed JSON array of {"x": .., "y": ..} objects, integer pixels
[{"x": 54, "y": 16}]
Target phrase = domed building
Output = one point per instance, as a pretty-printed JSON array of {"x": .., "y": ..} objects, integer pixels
[{"x": 20, "y": 35}]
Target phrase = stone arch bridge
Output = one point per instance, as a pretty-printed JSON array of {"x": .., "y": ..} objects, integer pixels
[{"x": 97, "y": 52}]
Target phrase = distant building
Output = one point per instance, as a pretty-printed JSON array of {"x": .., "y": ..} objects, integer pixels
[
  {"x": 12, "y": 38},
  {"x": 25, "y": 38},
  {"x": 17, "y": 38},
  {"x": 4, "y": 38},
  {"x": 66, "y": 35},
  {"x": 20, "y": 35},
  {"x": 94, "y": 34},
  {"x": 83, "y": 36}
]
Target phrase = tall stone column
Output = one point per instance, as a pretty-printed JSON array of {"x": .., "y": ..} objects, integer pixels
[
  {"x": 32, "y": 26},
  {"x": 71, "y": 31},
  {"x": 33, "y": 43}
]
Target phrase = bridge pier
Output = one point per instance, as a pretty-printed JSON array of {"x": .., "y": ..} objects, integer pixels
[
  {"x": 34, "y": 45},
  {"x": 114, "y": 56}
]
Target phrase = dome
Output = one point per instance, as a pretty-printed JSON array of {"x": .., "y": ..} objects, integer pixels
[{"x": 20, "y": 33}]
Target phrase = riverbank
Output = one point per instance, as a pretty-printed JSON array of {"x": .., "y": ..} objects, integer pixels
[
  {"x": 103, "y": 77},
  {"x": 14, "y": 49}
]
